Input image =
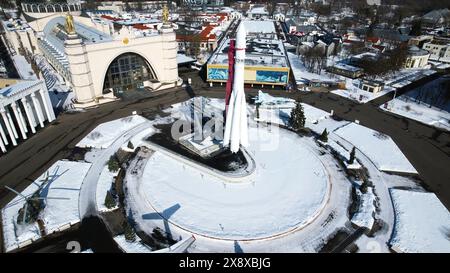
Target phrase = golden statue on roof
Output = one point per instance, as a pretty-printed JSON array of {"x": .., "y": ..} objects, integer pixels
[
  {"x": 70, "y": 25},
  {"x": 165, "y": 14}
]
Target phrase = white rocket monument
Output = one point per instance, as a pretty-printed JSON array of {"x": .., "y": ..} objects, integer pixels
[{"x": 236, "y": 130}]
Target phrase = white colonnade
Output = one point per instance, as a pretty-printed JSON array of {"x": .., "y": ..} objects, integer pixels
[{"x": 18, "y": 117}]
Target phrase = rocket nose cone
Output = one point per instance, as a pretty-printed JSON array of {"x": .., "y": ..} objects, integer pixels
[{"x": 240, "y": 36}]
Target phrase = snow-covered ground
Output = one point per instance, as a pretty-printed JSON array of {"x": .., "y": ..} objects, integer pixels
[
  {"x": 406, "y": 77},
  {"x": 393, "y": 82},
  {"x": 65, "y": 182},
  {"x": 278, "y": 110},
  {"x": 308, "y": 239},
  {"x": 380, "y": 148},
  {"x": 428, "y": 104},
  {"x": 420, "y": 112},
  {"x": 138, "y": 139},
  {"x": 353, "y": 92},
  {"x": 364, "y": 216},
  {"x": 282, "y": 195},
  {"x": 301, "y": 73},
  {"x": 105, "y": 134},
  {"x": 422, "y": 223},
  {"x": 23, "y": 68}
]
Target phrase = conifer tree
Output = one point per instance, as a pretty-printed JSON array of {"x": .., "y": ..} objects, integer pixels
[
  {"x": 352, "y": 156},
  {"x": 129, "y": 233},
  {"x": 324, "y": 136},
  {"x": 113, "y": 164},
  {"x": 110, "y": 202},
  {"x": 297, "y": 120},
  {"x": 130, "y": 145}
]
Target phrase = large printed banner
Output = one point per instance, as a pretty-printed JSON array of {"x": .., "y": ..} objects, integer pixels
[{"x": 252, "y": 75}]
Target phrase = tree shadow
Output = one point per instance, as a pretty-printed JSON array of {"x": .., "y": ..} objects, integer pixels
[
  {"x": 190, "y": 91},
  {"x": 237, "y": 247},
  {"x": 51, "y": 178},
  {"x": 164, "y": 215}
]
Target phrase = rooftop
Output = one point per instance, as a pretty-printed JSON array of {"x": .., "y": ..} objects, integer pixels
[
  {"x": 259, "y": 52},
  {"x": 259, "y": 26},
  {"x": 17, "y": 88}
]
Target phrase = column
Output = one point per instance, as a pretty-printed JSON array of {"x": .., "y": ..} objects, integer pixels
[
  {"x": 8, "y": 127},
  {"x": 3, "y": 135},
  {"x": 22, "y": 118},
  {"x": 47, "y": 109},
  {"x": 38, "y": 108},
  {"x": 2, "y": 146},
  {"x": 30, "y": 118},
  {"x": 19, "y": 120},
  {"x": 11, "y": 123}
]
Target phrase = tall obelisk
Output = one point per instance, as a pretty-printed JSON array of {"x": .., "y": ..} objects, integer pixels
[{"x": 236, "y": 131}]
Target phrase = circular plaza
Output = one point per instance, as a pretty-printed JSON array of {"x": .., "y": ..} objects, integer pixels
[{"x": 287, "y": 190}]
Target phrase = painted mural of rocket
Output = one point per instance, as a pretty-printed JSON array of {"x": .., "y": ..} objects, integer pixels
[{"x": 236, "y": 130}]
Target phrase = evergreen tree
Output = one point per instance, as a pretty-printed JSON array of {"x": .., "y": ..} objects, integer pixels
[
  {"x": 352, "y": 156},
  {"x": 297, "y": 120},
  {"x": 113, "y": 164},
  {"x": 130, "y": 145},
  {"x": 129, "y": 233},
  {"x": 324, "y": 136},
  {"x": 110, "y": 202},
  {"x": 257, "y": 111}
]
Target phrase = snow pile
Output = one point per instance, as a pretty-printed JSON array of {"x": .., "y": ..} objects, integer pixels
[
  {"x": 106, "y": 133},
  {"x": 281, "y": 196},
  {"x": 103, "y": 185},
  {"x": 380, "y": 148},
  {"x": 131, "y": 247},
  {"x": 64, "y": 182},
  {"x": 422, "y": 223},
  {"x": 364, "y": 216}
]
